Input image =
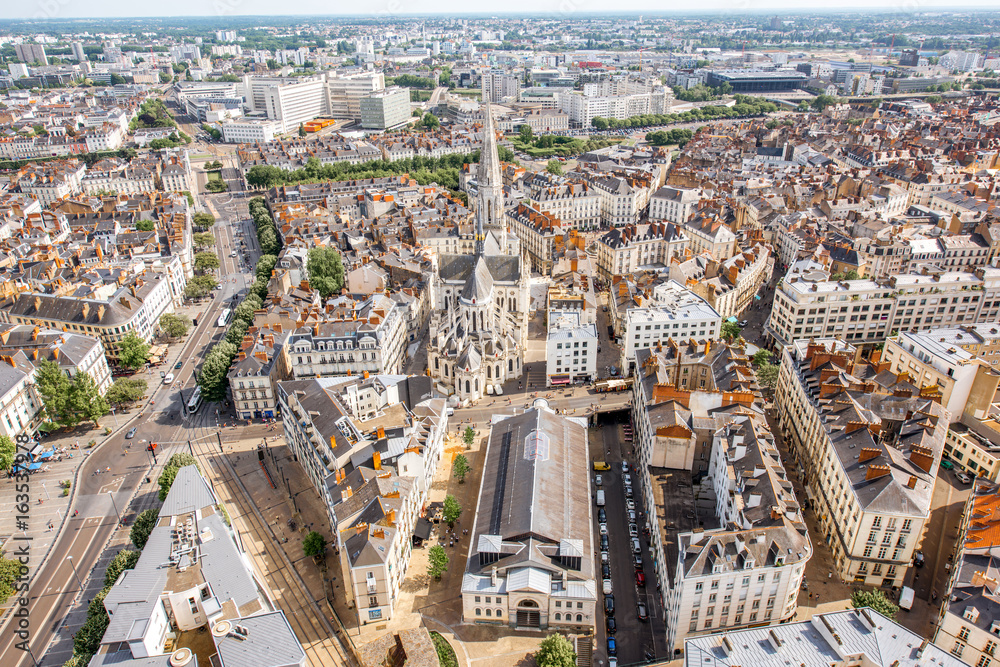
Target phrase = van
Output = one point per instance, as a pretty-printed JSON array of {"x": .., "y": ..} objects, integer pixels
[
  {"x": 636, "y": 547},
  {"x": 906, "y": 598},
  {"x": 600, "y": 498},
  {"x": 601, "y": 465}
]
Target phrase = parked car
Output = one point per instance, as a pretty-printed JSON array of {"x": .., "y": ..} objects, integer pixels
[
  {"x": 918, "y": 559},
  {"x": 743, "y": 323},
  {"x": 625, "y": 467},
  {"x": 631, "y": 516},
  {"x": 604, "y": 529},
  {"x": 633, "y": 531},
  {"x": 606, "y": 585},
  {"x": 612, "y": 646},
  {"x": 628, "y": 492},
  {"x": 605, "y": 571},
  {"x": 627, "y": 479},
  {"x": 641, "y": 612},
  {"x": 636, "y": 547},
  {"x": 963, "y": 478},
  {"x": 602, "y": 516},
  {"x": 630, "y": 505},
  {"x": 130, "y": 434},
  {"x": 599, "y": 480},
  {"x": 604, "y": 542},
  {"x": 604, "y": 557},
  {"x": 640, "y": 578},
  {"x": 609, "y": 605},
  {"x": 609, "y": 623},
  {"x": 168, "y": 378},
  {"x": 946, "y": 464},
  {"x": 637, "y": 561}
]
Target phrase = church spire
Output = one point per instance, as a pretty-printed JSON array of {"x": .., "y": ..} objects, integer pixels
[{"x": 490, "y": 199}]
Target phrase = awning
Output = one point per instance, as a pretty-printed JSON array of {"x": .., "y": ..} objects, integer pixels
[
  {"x": 34, "y": 466},
  {"x": 44, "y": 455},
  {"x": 423, "y": 529},
  {"x": 559, "y": 379},
  {"x": 731, "y": 319},
  {"x": 756, "y": 297}
]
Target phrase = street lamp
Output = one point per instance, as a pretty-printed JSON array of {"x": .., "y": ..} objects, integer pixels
[
  {"x": 45, "y": 490},
  {"x": 115, "y": 505},
  {"x": 78, "y": 580},
  {"x": 115, "y": 416}
]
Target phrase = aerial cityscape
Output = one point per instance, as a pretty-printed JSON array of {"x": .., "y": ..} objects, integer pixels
[{"x": 578, "y": 336}]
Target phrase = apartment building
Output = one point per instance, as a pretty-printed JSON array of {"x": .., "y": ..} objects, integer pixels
[
  {"x": 968, "y": 624},
  {"x": 538, "y": 232},
  {"x": 386, "y": 109},
  {"x": 866, "y": 311},
  {"x": 577, "y": 205},
  {"x": 706, "y": 234},
  {"x": 75, "y": 353},
  {"x": 869, "y": 445},
  {"x": 570, "y": 349},
  {"x": 841, "y": 638},
  {"x": 373, "y": 341},
  {"x": 633, "y": 248},
  {"x": 973, "y": 446},
  {"x": 194, "y": 594},
  {"x": 370, "y": 445},
  {"x": 674, "y": 205},
  {"x": 49, "y": 182},
  {"x": 670, "y": 310},
  {"x": 133, "y": 308},
  {"x": 261, "y": 362},
  {"x": 497, "y": 84},
  {"x": 250, "y": 131},
  {"x": 937, "y": 364},
  {"x": 531, "y": 562},
  {"x": 31, "y": 53},
  {"x": 730, "y": 286}
]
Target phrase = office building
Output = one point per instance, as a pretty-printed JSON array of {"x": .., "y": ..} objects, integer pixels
[
  {"x": 346, "y": 92},
  {"x": 499, "y": 85},
  {"x": 78, "y": 52},
  {"x": 531, "y": 563},
  {"x": 757, "y": 81},
  {"x": 869, "y": 444},
  {"x": 385, "y": 109},
  {"x": 249, "y": 131},
  {"x": 570, "y": 349}
]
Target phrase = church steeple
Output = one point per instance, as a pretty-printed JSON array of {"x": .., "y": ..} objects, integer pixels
[{"x": 490, "y": 200}]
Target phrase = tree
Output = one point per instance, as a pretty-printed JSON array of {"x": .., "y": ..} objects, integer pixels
[
  {"x": 762, "y": 357},
  {"x": 203, "y": 220},
  {"x": 326, "y": 270},
  {"x": 176, "y": 462},
  {"x": 851, "y": 275},
  {"x": 302, "y": 130},
  {"x": 8, "y": 450},
  {"x": 875, "y": 599},
  {"x": 599, "y": 123},
  {"x": 460, "y": 468},
  {"x": 430, "y": 121},
  {"x": 437, "y": 561},
  {"x": 87, "y": 639},
  {"x": 10, "y": 570},
  {"x": 314, "y": 544},
  {"x": 125, "y": 559},
  {"x": 265, "y": 264},
  {"x": 174, "y": 326},
  {"x": 216, "y": 185},
  {"x": 126, "y": 390},
  {"x": 525, "y": 133},
  {"x": 133, "y": 352},
  {"x": 54, "y": 385},
  {"x": 555, "y": 651},
  {"x": 553, "y": 167},
  {"x": 143, "y": 526},
  {"x": 200, "y": 286},
  {"x": 85, "y": 399},
  {"x": 213, "y": 380},
  {"x": 823, "y": 101},
  {"x": 206, "y": 261},
  {"x": 451, "y": 510},
  {"x": 204, "y": 240},
  {"x": 145, "y": 225},
  {"x": 767, "y": 375},
  {"x": 730, "y": 331}
]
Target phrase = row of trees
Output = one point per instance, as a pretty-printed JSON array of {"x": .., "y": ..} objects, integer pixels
[
  {"x": 744, "y": 106},
  {"x": 212, "y": 378},
  {"x": 443, "y": 170},
  {"x": 69, "y": 401},
  {"x": 679, "y": 136}
]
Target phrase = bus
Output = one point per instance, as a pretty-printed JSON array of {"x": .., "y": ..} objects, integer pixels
[
  {"x": 194, "y": 402},
  {"x": 224, "y": 317}
]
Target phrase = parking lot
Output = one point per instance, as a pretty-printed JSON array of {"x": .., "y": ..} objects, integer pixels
[{"x": 633, "y": 637}]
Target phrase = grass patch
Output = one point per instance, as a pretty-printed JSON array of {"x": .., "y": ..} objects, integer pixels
[
  {"x": 214, "y": 176},
  {"x": 446, "y": 654}
]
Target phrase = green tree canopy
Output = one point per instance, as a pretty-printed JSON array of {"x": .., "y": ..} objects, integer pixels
[
  {"x": 554, "y": 167},
  {"x": 206, "y": 261},
  {"x": 173, "y": 325},
  {"x": 767, "y": 375},
  {"x": 555, "y": 651},
  {"x": 203, "y": 220},
  {"x": 204, "y": 240},
  {"x": 133, "y": 352},
  {"x": 8, "y": 451},
  {"x": 730, "y": 331},
  {"x": 126, "y": 390},
  {"x": 145, "y": 225},
  {"x": 599, "y": 123},
  {"x": 460, "y": 468},
  {"x": 525, "y": 132},
  {"x": 86, "y": 400},
  {"x": 10, "y": 570},
  {"x": 200, "y": 286},
  {"x": 314, "y": 544},
  {"x": 875, "y": 599},
  {"x": 437, "y": 561},
  {"x": 326, "y": 270},
  {"x": 143, "y": 526},
  {"x": 762, "y": 357},
  {"x": 451, "y": 510},
  {"x": 53, "y": 384}
]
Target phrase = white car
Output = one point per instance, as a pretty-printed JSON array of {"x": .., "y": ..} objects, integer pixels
[
  {"x": 604, "y": 529},
  {"x": 627, "y": 479},
  {"x": 168, "y": 378},
  {"x": 632, "y": 530},
  {"x": 629, "y": 504},
  {"x": 607, "y": 587},
  {"x": 599, "y": 480}
]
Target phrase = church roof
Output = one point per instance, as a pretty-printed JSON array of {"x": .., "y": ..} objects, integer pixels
[
  {"x": 479, "y": 286},
  {"x": 502, "y": 268}
]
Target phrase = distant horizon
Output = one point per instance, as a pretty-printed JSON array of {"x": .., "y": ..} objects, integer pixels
[{"x": 117, "y": 10}]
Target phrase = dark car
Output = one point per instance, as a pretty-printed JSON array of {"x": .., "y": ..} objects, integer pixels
[
  {"x": 130, "y": 434},
  {"x": 604, "y": 542},
  {"x": 609, "y": 605},
  {"x": 612, "y": 646},
  {"x": 918, "y": 559},
  {"x": 602, "y": 516},
  {"x": 178, "y": 364},
  {"x": 609, "y": 623},
  {"x": 640, "y": 578},
  {"x": 640, "y": 610},
  {"x": 605, "y": 571}
]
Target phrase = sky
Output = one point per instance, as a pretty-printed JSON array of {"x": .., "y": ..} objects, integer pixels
[{"x": 64, "y": 9}]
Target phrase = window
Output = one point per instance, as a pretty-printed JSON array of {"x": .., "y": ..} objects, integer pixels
[
  {"x": 373, "y": 601},
  {"x": 476, "y": 599},
  {"x": 991, "y": 647},
  {"x": 479, "y": 612},
  {"x": 558, "y": 616},
  {"x": 963, "y": 634},
  {"x": 558, "y": 604},
  {"x": 983, "y": 662}
]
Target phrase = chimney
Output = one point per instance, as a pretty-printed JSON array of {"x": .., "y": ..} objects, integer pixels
[
  {"x": 869, "y": 453},
  {"x": 100, "y": 312},
  {"x": 38, "y": 303},
  {"x": 876, "y": 472},
  {"x": 922, "y": 458},
  {"x": 85, "y": 310},
  {"x": 381, "y": 432},
  {"x": 377, "y": 461}
]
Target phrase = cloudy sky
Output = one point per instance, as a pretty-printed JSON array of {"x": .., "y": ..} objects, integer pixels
[{"x": 566, "y": 8}]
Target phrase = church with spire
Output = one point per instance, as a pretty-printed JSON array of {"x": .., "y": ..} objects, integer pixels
[{"x": 479, "y": 325}]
